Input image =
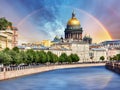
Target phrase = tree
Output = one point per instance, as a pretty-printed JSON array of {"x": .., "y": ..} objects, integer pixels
[
  {"x": 102, "y": 58},
  {"x": 4, "y": 23},
  {"x": 63, "y": 57},
  {"x": 55, "y": 58},
  {"x": 74, "y": 57},
  {"x": 16, "y": 58},
  {"x": 111, "y": 58},
  {"x": 5, "y": 58},
  {"x": 16, "y": 49},
  {"x": 69, "y": 59},
  {"x": 30, "y": 57},
  {"x": 42, "y": 57},
  {"x": 6, "y": 49},
  {"x": 52, "y": 58},
  {"x": 118, "y": 57},
  {"x": 115, "y": 57},
  {"x": 36, "y": 57},
  {"x": 23, "y": 56}
]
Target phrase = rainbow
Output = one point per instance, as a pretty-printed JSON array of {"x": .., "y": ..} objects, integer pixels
[
  {"x": 98, "y": 22},
  {"x": 80, "y": 10}
]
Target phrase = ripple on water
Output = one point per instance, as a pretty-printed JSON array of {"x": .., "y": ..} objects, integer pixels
[{"x": 89, "y": 78}]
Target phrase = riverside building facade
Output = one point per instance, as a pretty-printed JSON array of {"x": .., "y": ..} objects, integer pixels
[
  {"x": 8, "y": 38},
  {"x": 73, "y": 42}
]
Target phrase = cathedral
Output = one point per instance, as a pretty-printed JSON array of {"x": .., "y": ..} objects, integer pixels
[
  {"x": 73, "y": 42},
  {"x": 73, "y": 30}
]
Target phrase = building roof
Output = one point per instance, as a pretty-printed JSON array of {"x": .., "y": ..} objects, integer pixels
[
  {"x": 98, "y": 49},
  {"x": 110, "y": 41}
]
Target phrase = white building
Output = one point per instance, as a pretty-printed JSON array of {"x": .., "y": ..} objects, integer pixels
[
  {"x": 81, "y": 49},
  {"x": 96, "y": 53}
]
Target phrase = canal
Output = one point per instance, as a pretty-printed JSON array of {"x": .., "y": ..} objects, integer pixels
[{"x": 87, "y": 78}]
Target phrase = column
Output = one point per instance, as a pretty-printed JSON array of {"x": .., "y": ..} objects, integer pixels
[{"x": 77, "y": 36}]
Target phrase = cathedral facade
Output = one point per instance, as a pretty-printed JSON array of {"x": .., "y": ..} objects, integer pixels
[{"x": 73, "y": 30}]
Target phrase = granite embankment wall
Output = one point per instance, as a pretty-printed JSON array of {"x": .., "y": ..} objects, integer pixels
[
  {"x": 21, "y": 72},
  {"x": 113, "y": 66}
]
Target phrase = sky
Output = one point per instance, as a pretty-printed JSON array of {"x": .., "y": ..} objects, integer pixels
[{"x": 38, "y": 20}]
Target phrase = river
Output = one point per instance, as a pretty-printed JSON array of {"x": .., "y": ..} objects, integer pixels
[{"x": 87, "y": 78}]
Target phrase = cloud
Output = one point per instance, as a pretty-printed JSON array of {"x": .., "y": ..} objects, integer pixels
[{"x": 52, "y": 15}]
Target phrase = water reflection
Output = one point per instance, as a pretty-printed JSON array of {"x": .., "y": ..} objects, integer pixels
[{"x": 90, "y": 78}]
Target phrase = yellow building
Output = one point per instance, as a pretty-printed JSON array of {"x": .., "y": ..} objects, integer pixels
[
  {"x": 7, "y": 39},
  {"x": 46, "y": 43},
  {"x": 3, "y": 40}
]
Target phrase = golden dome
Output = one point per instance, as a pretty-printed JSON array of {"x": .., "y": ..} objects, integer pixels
[{"x": 73, "y": 21}]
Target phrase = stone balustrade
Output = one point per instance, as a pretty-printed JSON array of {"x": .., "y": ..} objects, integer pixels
[{"x": 13, "y": 72}]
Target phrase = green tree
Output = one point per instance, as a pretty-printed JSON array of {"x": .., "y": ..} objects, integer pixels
[
  {"x": 102, "y": 58},
  {"x": 16, "y": 58},
  {"x": 42, "y": 57},
  {"x": 6, "y": 49},
  {"x": 36, "y": 57},
  {"x": 111, "y": 58},
  {"x": 63, "y": 58},
  {"x": 55, "y": 58},
  {"x": 23, "y": 56},
  {"x": 5, "y": 58},
  {"x": 52, "y": 58},
  {"x": 74, "y": 57},
  {"x": 30, "y": 57},
  {"x": 69, "y": 59},
  {"x": 118, "y": 57},
  {"x": 16, "y": 49},
  {"x": 4, "y": 23},
  {"x": 115, "y": 57}
]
